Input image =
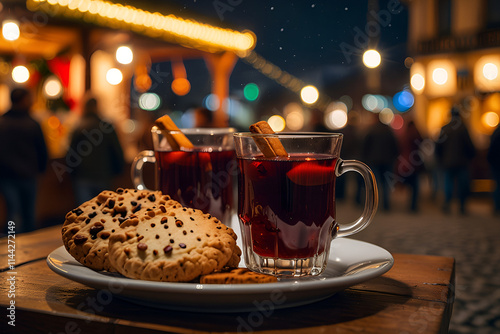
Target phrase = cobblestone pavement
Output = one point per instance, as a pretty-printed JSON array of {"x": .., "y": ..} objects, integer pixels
[{"x": 472, "y": 239}]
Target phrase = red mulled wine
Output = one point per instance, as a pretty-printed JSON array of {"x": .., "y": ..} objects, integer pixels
[
  {"x": 287, "y": 205},
  {"x": 198, "y": 179}
]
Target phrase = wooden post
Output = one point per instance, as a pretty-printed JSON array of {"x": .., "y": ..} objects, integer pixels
[{"x": 221, "y": 67}]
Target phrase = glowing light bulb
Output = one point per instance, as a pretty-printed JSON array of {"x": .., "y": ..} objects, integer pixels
[
  {"x": 52, "y": 87},
  {"x": 490, "y": 119},
  {"x": 440, "y": 76},
  {"x": 10, "y": 30},
  {"x": 124, "y": 55},
  {"x": 114, "y": 76},
  {"x": 490, "y": 71},
  {"x": 309, "y": 94},
  {"x": 417, "y": 82},
  {"x": 20, "y": 74},
  {"x": 277, "y": 123},
  {"x": 371, "y": 58}
]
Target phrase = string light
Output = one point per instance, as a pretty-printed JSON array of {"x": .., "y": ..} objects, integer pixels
[
  {"x": 10, "y": 30},
  {"x": 169, "y": 27},
  {"x": 20, "y": 74}
]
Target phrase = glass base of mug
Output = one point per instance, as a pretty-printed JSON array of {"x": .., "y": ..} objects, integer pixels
[{"x": 312, "y": 266}]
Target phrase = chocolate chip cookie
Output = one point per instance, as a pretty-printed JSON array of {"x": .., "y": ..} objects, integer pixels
[
  {"x": 87, "y": 229},
  {"x": 173, "y": 243}
]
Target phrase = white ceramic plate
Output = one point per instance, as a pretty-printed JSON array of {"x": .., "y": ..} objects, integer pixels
[{"x": 351, "y": 262}]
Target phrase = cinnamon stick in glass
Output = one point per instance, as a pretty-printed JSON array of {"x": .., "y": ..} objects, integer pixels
[
  {"x": 270, "y": 147},
  {"x": 175, "y": 137}
]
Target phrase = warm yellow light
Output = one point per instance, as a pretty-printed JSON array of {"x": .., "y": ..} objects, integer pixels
[
  {"x": 490, "y": 71},
  {"x": 124, "y": 55},
  {"x": 277, "y": 123},
  {"x": 490, "y": 119},
  {"x": 336, "y": 119},
  {"x": 386, "y": 116},
  {"x": 371, "y": 58},
  {"x": 309, "y": 94},
  {"x": 295, "y": 120},
  {"x": 440, "y": 76},
  {"x": 114, "y": 76},
  {"x": 170, "y": 27},
  {"x": 417, "y": 81},
  {"x": 10, "y": 30},
  {"x": 20, "y": 74},
  {"x": 52, "y": 87}
]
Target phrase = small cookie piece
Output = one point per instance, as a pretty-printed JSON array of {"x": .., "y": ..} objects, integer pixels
[
  {"x": 87, "y": 229},
  {"x": 237, "y": 276},
  {"x": 173, "y": 244}
]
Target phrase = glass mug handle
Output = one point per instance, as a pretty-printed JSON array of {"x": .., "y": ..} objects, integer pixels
[
  {"x": 371, "y": 200},
  {"x": 136, "y": 169}
]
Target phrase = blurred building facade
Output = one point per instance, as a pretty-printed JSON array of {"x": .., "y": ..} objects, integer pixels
[{"x": 455, "y": 46}]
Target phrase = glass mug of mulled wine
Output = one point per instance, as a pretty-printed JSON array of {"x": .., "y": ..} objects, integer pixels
[
  {"x": 199, "y": 177},
  {"x": 286, "y": 204}
]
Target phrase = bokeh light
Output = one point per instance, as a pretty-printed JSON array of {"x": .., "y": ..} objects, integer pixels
[
  {"x": 336, "y": 119},
  {"x": 386, "y": 116},
  {"x": 490, "y": 71},
  {"x": 409, "y": 61},
  {"x": 114, "y": 76},
  {"x": 181, "y": 86},
  {"x": 440, "y": 76},
  {"x": 309, "y": 94},
  {"x": 347, "y": 100},
  {"x": 149, "y": 101},
  {"x": 251, "y": 92},
  {"x": 403, "y": 100},
  {"x": 490, "y": 119},
  {"x": 295, "y": 120},
  {"x": 277, "y": 123},
  {"x": 417, "y": 82},
  {"x": 129, "y": 126},
  {"x": 211, "y": 102},
  {"x": 20, "y": 74},
  {"x": 53, "y": 122},
  {"x": 52, "y": 88},
  {"x": 10, "y": 30},
  {"x": 397, "y": 122},
  {"x": 124, "y": 55},
  {"x": 369, "y": 102},
  {"x": 371, "y": 58}
]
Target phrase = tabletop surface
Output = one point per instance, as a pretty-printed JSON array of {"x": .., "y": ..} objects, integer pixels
[{"x": 415, "y": 296}]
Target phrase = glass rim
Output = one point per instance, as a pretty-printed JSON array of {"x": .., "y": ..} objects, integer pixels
[
  {"x": 198, "y": 131},
  {"x": 290, "y": 134}
]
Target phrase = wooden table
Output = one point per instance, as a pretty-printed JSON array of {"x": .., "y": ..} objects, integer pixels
[{"x": 415, "y": 296}]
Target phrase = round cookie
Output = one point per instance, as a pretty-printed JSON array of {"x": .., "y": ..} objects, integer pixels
[
  {"x": 173, "y": 244},
  {"x": 87, "y": 229}
]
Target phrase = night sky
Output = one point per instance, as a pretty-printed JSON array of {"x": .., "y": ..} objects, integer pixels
[{"x": 304, "y": 38}]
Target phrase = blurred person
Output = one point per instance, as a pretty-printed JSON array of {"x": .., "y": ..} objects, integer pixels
[
  {"x": 23, "y": 156},
  {"x": 454, "y": 152},
  {"x": 203, "y": 118},
  {"x": 380, "y": 150},
  {"x": 97, "y": 154},
  {"x": 410, "y": 162},
  {"x": 494, "y": 161}
]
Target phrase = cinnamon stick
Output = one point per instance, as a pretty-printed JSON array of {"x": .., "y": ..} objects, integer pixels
[
  {"x": 270, "y": 147},
  {"x": 175, "y": 137}
]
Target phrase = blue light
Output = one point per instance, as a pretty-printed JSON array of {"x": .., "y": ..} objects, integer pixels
[
  {"x": 403, "y": 100},
  {"x": 211, "y": 102}
]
